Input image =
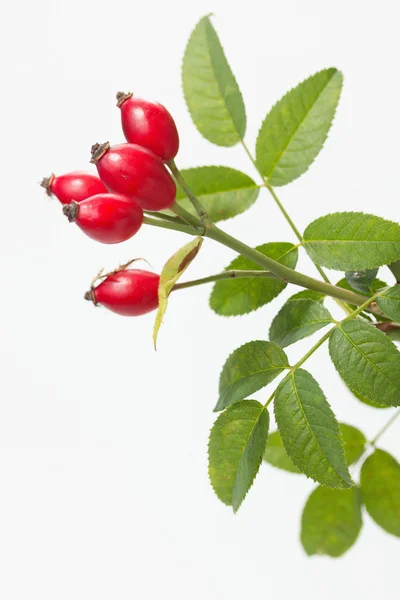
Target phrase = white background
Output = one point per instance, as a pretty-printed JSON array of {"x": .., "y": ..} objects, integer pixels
[{"x": 103, "y": 469}]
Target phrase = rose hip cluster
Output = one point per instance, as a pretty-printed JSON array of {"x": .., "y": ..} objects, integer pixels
[{"x": 109, "y": 207}]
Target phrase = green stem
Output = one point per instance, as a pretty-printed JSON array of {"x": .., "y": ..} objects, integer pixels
[
  {"x": 312, "y": 350},
  {"x": 168, "y": 225},
  {"x": 385, "y": 427},
  {"x": 285, "y": 214},
  {"x": 225, "y": 275},
  {"x": 201, "y": 211},
  {"x": 281, "y": 271},
  {"x": 289, "y": 220},
  {"x": 163, "y": 216},
  {"x": 321, "y": 341},
  {"x": 353, "y": 314},
  {"x": 185, "y": 215}
]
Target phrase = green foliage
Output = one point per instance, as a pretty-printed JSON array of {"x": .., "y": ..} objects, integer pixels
[
  {"x": 308, "y": 294},
  {"x": 389, "y": 302},
  {"x": 212, "y": 95},
  {"x": 295, "y": 130},
  {"x": 380, "y": 484},
  {"x": 224, "y": 192},
  {"x": 362, "y": 281},
  {"x": 354, "y": 442},
  {"x": 331, "y": 521},
  {"x": 395, "y": 268},
  {"x": 276, "y": 455},
  {"x": 365, "y": 400},
  {"x": 298, "y": 319},
  {"x": 367, "y": 360},
  {"x": 240, "y": 296},
  {"x": 248, "y": 369},
  {"x": 352, "y": 241},
  {"x": 172, "y": 270},
  {"x": 235, "y": 450},
  {"x": 310, "y": 431},
  {"x": 377, "y": 284}
]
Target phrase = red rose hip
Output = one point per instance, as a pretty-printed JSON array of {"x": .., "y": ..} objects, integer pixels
[
  {"x": 136, "y": 172},
  {"x": 150, "y": 125},
  {"x": 129, "y": 292},
  {"x": 106, "y": 218},
  {"x": 73, "y": 186}
]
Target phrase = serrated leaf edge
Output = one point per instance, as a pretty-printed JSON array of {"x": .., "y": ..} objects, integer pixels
[
  {"x": 263, "y": 408},
  {"x": 336, "y": 71}
]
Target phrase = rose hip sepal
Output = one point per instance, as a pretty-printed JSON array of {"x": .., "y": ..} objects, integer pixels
[
  {"x": 73, "y": 186},
  {"x": 148, "y": 124},
  {"x": 107, "y": 218},
  {"x": 136, "y": 172},
  {"x": 129, "y": 292}
]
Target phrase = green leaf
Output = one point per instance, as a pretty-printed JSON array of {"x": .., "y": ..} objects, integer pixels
[
  {"x": 376, "y": 286},
  {"x": 172, "y": 270},
  {"x": 351, "y": 241},
  {"x": 295, "y": 130},
  {"x": 224, "y": 192},
  {"x": 331, "y": 521},
  {"x": 298, "y": 319},
  {"x": 380, "y": 485},
  {"x": 235, "y": 450},
  {"x": 354, "y": 442},
  {"x": 389, "y": 302},
  {"x": 212, "y": 95},
  {"x": 365, "y": 400},
  {"x": 248, "y": 369},
  {"x": 310, "y": 431},
  {"x": 276, "y": 455},
  {"x": 395, "y": 268},
  {"x": 308, "y": 294},
  {"x": 367, "y": 360},
  {"x": 240, "y": 296},
  {"x": 362, "y": 281}
]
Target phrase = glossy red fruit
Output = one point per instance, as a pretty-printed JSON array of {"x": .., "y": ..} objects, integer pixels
[
  {"x": 129, "y": 292},
  {"x": 73, "y": 186},
  {"x": 136, "y": 172},
  {"x": 148, "y": 124},
  {"x": 107, "y": 218}
]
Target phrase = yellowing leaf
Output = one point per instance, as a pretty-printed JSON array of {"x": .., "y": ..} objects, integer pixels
[{"x": 172, "y": 270}]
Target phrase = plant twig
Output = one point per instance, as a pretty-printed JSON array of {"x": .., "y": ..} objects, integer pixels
[
  {"x": 238, "y": 274},
  {"x": 201, "y": 211},
  {"x": 290, "y": 221}
]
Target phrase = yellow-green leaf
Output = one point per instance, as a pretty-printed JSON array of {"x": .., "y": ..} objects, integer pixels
[{"x": 172, "y": 270}]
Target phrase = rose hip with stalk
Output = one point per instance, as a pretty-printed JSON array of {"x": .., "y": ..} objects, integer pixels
[
  {"x": 106, "y": 218},
  {"x": 148, "y": 124},
  {"x": 136, "y": 172},
  {"x": 127, "y": 292},
  {"x": 73, "y": 186}
]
